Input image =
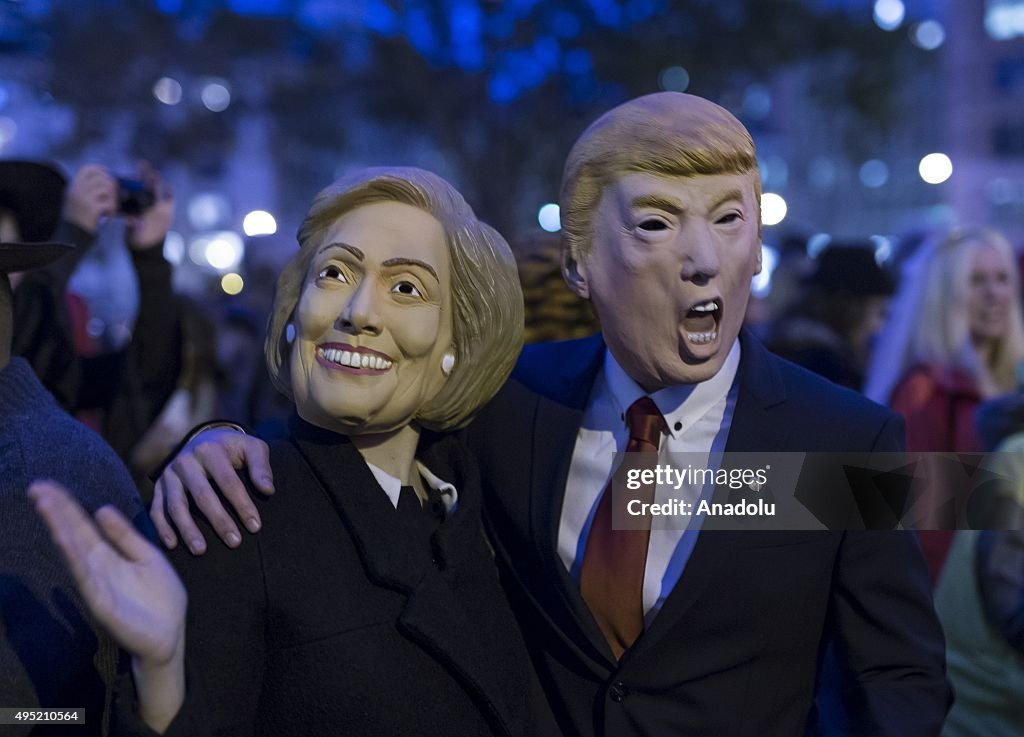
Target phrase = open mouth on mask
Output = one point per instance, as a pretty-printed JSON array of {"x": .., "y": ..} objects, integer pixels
[{"x": 700, "y": 324}]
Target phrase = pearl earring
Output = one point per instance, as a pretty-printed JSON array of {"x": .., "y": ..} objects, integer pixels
[
  {"x": 289, "y": 334},
  {"x": 447, "y": 363}
]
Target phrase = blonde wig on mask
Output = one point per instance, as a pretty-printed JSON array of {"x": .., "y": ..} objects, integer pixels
[
  {"x": 486, "y": 299},
  {"x": 667, "y": 134},
  {"x": 929, "y": 324}
]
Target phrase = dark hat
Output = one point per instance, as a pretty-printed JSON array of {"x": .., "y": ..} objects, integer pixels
[
  {"x": 25, "y": 256},
  {"x": 34, "y": 192},
  {"x": 851, "y": 268}
]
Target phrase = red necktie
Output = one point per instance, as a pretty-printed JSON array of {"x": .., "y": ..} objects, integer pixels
[{"x": 612, "y": 576}]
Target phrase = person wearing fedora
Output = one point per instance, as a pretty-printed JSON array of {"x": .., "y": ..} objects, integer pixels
[
  {"x": 830, "y": 328},
  {"x": 121, "y": 392},
  {"x": 51, "y": 657}
]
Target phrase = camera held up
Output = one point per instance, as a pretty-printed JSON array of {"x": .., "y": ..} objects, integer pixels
[{"x": 133, "y": 196}]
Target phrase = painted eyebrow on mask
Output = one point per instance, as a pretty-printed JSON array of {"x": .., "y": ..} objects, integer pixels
[
  {"x": 659, "y": 203},
  {"x": 344, "y": 247},
  {"x": 732, "y": 194},
  {"x": 400, "y": 261}
]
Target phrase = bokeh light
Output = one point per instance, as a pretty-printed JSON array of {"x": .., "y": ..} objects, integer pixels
[
  {"x": 167, "y": 91},
  {"x": 232, "y": 283},
  {"x": 817, "y": 243},
  {"x": 889, "y": 14},
  {"x": 874, "y": 173},
  {"x": 935, "y": 168},
  {"x": 1004, "y": 19},
  {"x": 259, "y": 222},
  {"x": 216, "y": 96},
  {"x": 208, "y": 210},
  {"x": 761, "y": 286},
  {"x": 221, "y": 250},
  {"x": 928, "y": 35},
  {"x": 773, "y": 208},
  {"x": 674, "y": 79},
  {"x": 883, "y": 248},
  {"x": 549, "y": 217}
]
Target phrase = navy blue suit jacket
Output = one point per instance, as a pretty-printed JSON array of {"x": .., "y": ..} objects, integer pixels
[{"x": 738, "y": 646}]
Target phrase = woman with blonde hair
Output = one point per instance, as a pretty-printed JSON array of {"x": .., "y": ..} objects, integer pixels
[{"x": 954, "y": 338}]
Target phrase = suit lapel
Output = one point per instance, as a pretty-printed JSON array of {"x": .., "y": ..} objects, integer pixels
[
  {"x": 556, "y": 426},
  {"x": 759, "y": 389}
]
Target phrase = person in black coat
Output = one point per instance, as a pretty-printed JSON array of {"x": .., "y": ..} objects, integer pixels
[{"x": 372, "y": 606}]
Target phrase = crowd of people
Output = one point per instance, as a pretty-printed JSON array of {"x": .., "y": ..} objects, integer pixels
[{"x": 417, "y": 536}]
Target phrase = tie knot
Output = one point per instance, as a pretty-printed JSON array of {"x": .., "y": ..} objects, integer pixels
[{"x": 645, "y": 422}]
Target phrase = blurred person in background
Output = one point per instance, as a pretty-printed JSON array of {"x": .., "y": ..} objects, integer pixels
[
  {"x": 246, "y": 391},
  {"x": 119, "y": 393},
  {"x": 553, "y": 312},
  {"x": 954, "y": 338},
  {"x": 980, "y": 595},
  {"x": 831, "y": 327},
  {"x": 194, "y": 398}
]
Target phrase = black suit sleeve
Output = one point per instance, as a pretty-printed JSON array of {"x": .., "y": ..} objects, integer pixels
[
  {"x": 886, "y": 639},
  {"x": 225, "y": 630}
]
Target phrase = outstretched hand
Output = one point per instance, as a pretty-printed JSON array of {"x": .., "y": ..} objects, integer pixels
[
  {"x": 217, "y": 455},
  {"x": 130, "y": 588}
]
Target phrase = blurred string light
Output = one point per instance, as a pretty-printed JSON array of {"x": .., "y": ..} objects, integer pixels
[
  {"x": 549, "y": 217},
  {"x": 817, "y": 243},
  {"x": 5, "y": 94},
  {"x": 174, "y": 247},
  {"x": 935, "y": 168},
  {"x": 874, "y": 173},
  {"x": 216, "y": 96},
  {"x": 889, "y": 14},
  {"x": 8, "y": 130},
  {"x": 167, "y": 91},
  {"x": 232, "y": 283},
  {"x": 1004, "y": 19},
  {"x": 674, "y": 79},
  {"x": 259, "y": 222},
  {"x": 928, "y": 35},
  {"x": 761, "y": 286},
  {"x": 773, "y": 208},
  {"x": 208, "y": 210}
]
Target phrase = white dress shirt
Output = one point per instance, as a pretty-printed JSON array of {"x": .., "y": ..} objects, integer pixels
[
  {"x": 698, "y": 417},
  {"x": 392, "y": 486}
]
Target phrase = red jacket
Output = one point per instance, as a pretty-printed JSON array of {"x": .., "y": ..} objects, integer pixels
[{"x": 938, "y": 404}]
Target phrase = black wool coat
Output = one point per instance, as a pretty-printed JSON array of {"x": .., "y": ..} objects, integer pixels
[{"x": 338, "y": 620}]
